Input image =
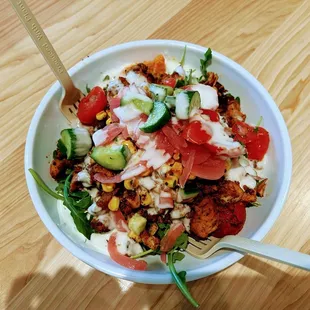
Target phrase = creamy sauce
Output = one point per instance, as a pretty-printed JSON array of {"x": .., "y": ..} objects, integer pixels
[
  {"x": 137, "y": 79},
  {"x": 126, "y": 245},
  {"x": 127, "y": 113},
  {"x": 93, "y": 209},
  {"x": 155, "y": 158},
  {"x": 84, "y": 177},
  {"x": 208, "y": 96}
]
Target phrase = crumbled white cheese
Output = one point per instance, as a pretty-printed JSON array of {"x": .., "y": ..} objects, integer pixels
[
  {"x": 84, "y": 177},
  {"x": 126, "y": 245},
  {"x": 147, "y": 183},
  {"x": 179, "y": 211},
  {"x": 93, "y": 209}
]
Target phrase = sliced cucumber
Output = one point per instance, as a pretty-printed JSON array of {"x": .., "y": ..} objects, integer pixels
[
  {"x": 159, "y": 117},
  {"x": 170, "y": 102},
  {"x": 77, "y": 142},
  {"x": 113, "y": 157},
  {"x": 141, "y": 102},
  {"x": 188, "y": 192},
  {"x": 160, "y": 91},
  {"x": 185, "y": 102},
  {"x": 177, "y": 91}
]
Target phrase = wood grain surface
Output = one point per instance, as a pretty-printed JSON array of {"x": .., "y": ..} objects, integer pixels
[{"x": 270, "y": 38}]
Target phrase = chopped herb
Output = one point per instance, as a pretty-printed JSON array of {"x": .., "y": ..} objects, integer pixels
[
  {"x": 204, "y": 63},
  {"x": 41, "y": 184},
  {"x": 238, "y": 99},
  {"x": 258, "y": 124},
  {"x": 107, "y": 77},
  {"x": 183, "y": 56},
  {"x": 87, "y": 89},
  {"x": 254, "y": 204}
]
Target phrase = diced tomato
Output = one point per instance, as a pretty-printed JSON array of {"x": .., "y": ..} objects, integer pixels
[
  {"x": 174, "y": 232},
  {"x": 195, "y": 134},
  {"x": 188, "y": 165},
  {"x": 119, "y": 219},
  {"x": 214, "y": 117},
  {"x": 170, "y": 81},
  {"x": 163, "y": 257},
  {"x": 231, "y": 220},
  {"x": 114, "y": 103},
  {"x": 212, "y": 169},
  {"x": 174, "y": 139},
  {"x": 122, "y": 259},
  {"x": 255, "y": 139},
  {"x": 93, "y": 103}
]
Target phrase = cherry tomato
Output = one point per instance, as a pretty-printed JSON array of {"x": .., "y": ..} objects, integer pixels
[
  {"x": 168, "y": 241},
  {"x": 231, "y": 220},
  {"x": 255, "y": 139},
  {"x": 170, "y": 81},
  {"x": 93, "y": 103},
  {"x": 195, "y": 134},
  {"x": 214, "y": 117},
  {"x": 122, "y": 259}
]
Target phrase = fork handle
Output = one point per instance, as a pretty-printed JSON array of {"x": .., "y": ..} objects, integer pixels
[
  {"x": 40, "y": 39},
  {"x": 276, "y": 253}
]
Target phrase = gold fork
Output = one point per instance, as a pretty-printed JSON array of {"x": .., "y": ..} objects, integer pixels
[
  {"x": 205, "y": 248},
  {"x": 69, "y": 103}
]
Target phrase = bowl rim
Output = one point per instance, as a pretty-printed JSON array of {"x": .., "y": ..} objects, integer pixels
[{"x": 140, "y": 276}]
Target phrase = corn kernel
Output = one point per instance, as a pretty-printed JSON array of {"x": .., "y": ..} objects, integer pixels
[
  {"x": 228, "y": 164},
  {"x": 101, "y": 115},
  {"x": 114, "y": 203},
  {"x": 132, "y": 148},
  {"x": 176, "y": 156},
  {"x": 171, "y": 181},
  {"x": 177, "y": 169},
  {"x": 170, "y": 162},
  {"x": 108, "y": 112},
  {"x": 192, "y": 177},
  {"x": 147, "y": 172},
  {"x": 131, "y": 184},
  {"x": 134, "y": 236},
  {"x": 108, "y": 121},
  {"x": 108, "y": 187},
  {"x": 146, "y": 198}
]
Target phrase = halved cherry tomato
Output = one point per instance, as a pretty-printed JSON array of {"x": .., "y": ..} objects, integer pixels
[
  {"x": 256, "y": 139},
  {"x": 212, "y": 169},
  {"x": 93, "y": 103},
  {"x": 214, "y": 117},
  {"x": 231, "y": 220},
  {"x": 194, "y": 133},
  {"x": 170, "y": 81},
  {"x": 119, "y": 219},
  {"x": 168, "y": 241},
  {"x": 122, "y": 259}
]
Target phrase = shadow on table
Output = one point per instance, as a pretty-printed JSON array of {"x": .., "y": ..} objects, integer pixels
[{"x": 70, "y": 290}]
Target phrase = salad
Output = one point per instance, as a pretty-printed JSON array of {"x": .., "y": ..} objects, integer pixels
[{"x": 159, "y": 156}]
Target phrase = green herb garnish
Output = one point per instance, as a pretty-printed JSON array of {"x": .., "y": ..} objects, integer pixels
[
  {"x": 87, "y": 89},
  {"x": 204, "y": 63},
  {"x": 254, "y": 204},
  {"x": 107, "y": 77},
  {"x": 258, "y": 124},
  {"x": 238, "y": 99}
]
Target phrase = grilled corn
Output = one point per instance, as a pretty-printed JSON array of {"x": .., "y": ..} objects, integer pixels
[
  {"x": 147, "y": 172},
  {"x": 108, "y": 121},
  {"x": 114, "y": 203},
  {"x": 176, "y": 156},
  {"x": 170, "y": 162},
  {"x": 192, "y": 177},
  {"x": 132, "y": 148},
  {"x": 134, "y": 236},
  {"x": 131, "y": 184},
  {"x": 177, "y": 169},
  {"x": 171, "y": 181},
  {"x": 145, "y": 197},
  {"x": 108, "y": 187},
  {"x": 101, "y": 115}
]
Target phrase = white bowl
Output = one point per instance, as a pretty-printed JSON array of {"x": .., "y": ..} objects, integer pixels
[{"x": 255, "y": 100}]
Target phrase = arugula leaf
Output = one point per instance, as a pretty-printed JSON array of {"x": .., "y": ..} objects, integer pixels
[
  {"x": 181, "y": 242},
  {"x": 147, "y": 252},
  {"x": 77, "y": 209},
  {"x": 180, "y": 280},
  {"x": 60, "y": 187},
  {"x": 107, "y": 77},
  {"x": 87, "y": 89},
  {"x": 163, "y": 228},
  {"x": 41, "y": 184},
  {"x": 183, "y": 56},
  {"x": 204, "y": 63},
  {"x": 177, "y": 256}
]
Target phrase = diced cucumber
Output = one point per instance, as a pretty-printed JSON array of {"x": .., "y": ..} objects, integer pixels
[
  {"x": 170, "y": 102},
  {"x": 188, "y": 192},
  {"x": 141, "y": 102},
  {"x": 77, "y": 142},
  {"x": 113, "y": 157},
  {"x": 177, "y": 91},
  {"x": 185, "y": 102},
  {"x": 160, "y": 91},
  {"x": 159, "y": 117}
]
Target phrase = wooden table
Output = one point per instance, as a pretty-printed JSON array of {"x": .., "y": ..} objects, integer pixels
[{"x": 270, "y": 38}]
